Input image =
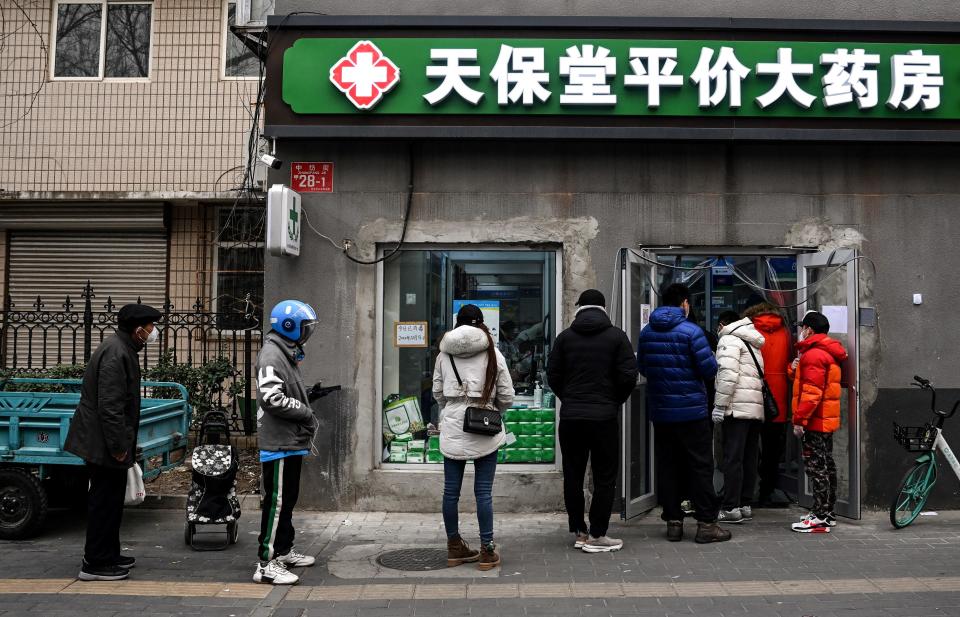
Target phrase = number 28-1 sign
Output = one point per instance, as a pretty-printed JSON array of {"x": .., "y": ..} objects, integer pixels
[{"x": 306, "y": 177}]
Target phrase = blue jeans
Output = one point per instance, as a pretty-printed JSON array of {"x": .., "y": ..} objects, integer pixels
[{"x": 484, "y": 468}]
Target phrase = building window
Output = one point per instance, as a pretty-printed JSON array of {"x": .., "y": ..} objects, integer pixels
[
  {"x": 422, "y": 290},
  {"x": 89, "y": 46},
  {"x": 239, "y": 265},
  {"x": 239, "y": 61}
]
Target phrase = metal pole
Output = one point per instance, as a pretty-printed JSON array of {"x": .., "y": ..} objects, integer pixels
[
  {"x": 87, "y": 321},
  {"x": 247, "y": 369}
]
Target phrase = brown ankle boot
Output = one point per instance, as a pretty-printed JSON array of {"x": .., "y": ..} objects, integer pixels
[
  {"x": 458, "y": 552},
  {"x": 489, "y": 558},
  {"x": 711, "y": 532}
]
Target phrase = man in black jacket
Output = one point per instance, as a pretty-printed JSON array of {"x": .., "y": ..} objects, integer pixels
[
  {"x": 593, "y": 371},
  {"x": 103, "y": 432}
]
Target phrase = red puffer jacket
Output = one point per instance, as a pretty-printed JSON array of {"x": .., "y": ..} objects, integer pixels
[
  {"x": 777, "y": 353},
  {"x": 816, "y": 388}
]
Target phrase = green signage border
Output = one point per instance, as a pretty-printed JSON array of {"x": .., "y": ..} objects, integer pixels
[{"x": 307, "y": 87}]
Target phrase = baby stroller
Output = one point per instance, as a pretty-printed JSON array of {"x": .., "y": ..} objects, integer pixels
[{"x": 213, "y": 493}]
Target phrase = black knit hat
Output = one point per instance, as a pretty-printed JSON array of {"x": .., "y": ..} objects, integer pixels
[
  {"x": 469, "y": 315},
  {"x": 592, "y": 297},
  {"x": 132, "y": 316}
]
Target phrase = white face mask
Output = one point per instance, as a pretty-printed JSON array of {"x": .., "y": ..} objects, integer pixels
[{"x": 153, "y": 336}]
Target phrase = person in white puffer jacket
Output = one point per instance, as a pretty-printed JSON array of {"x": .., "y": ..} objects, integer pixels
[
  {"x": 483, "y": 381},
  {"x": 739, "y": 406}
]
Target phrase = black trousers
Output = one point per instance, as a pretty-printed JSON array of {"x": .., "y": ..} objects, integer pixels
[
  {"x": 600, "y": 442},
  {"x": 281, "y": 489},
  {"x": 773, "y": 439},
  {"x": 741, "y": 452},
  {"x": 684, "y": 458},
  {"x": 108, "y": 487}
]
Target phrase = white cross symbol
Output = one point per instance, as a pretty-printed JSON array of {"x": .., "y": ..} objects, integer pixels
[{"x": 364, "y": 74}]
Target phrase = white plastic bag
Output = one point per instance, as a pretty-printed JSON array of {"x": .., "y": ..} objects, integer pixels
[{"x": 135, "y": 489}]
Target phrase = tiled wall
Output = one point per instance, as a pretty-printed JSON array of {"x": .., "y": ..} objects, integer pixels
[{"x": 178, "y": 132}]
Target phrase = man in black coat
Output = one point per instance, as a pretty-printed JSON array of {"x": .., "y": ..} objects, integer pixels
[
  {"x": 593, "y": 371},
  {"x": 103, "y": 432}
]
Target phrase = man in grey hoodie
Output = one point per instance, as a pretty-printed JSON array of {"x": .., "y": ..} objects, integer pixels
[{"x": 285, "y": 428}]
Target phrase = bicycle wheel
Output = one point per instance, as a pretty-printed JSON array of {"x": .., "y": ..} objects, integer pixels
[{"x": 913, "y": 493}]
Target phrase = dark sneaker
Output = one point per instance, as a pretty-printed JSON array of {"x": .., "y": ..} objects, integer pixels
[
  {"x": 730, "y": 516},
  {"x": 458, "y": 552},
  {"x": 102, "y": 573},
  {"x": 126, "y": 562},
  {"x": 711, "y": 532},
  {"x": 830, "y": 520},
  {"x": 674, "y": 531},
  {"x": 489, "y": 558}
]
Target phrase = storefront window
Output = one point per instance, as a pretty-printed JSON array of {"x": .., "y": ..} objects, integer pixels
[{"x": 422, "y": 290}]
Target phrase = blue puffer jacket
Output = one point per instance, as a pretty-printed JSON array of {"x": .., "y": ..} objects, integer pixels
[{"x": 675, "y": 357}]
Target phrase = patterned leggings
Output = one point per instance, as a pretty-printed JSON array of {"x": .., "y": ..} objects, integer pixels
[{"x": 822, "y": 471}]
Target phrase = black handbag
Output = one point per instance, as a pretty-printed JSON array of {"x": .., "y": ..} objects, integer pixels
[
  {"x": 770, "y": 408},
  {"x": 478, "y": 420}
]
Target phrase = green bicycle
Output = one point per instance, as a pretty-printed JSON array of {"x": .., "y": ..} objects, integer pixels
[{"x": 918, "y": 483}]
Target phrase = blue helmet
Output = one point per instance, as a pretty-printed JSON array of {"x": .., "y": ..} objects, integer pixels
[{"x": 293, "y": 320}]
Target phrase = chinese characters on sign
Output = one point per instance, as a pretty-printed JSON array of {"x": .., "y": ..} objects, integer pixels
[
  {"x": 621, "y": 77},
  {"x": 410, "y": 334},
  {"x": 308, "y": 177}
]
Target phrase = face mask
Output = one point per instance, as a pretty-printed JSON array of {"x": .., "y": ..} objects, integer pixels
[
  {"x": 803, "y": 334},
  {"x": 153, "y": 336}
]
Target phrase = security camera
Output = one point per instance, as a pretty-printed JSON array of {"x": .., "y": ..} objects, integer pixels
[{"x": 271, "y": 161}]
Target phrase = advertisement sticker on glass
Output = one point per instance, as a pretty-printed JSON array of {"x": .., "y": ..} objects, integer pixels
[
  {"x": 410, "y": 334},
  {"x": 491, "y": 314}
]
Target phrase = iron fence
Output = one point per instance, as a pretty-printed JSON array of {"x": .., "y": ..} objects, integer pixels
[{"x": 35, "y": 339}]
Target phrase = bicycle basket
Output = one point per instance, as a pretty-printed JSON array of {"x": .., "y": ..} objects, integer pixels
[{"x": 915, "y": 438}]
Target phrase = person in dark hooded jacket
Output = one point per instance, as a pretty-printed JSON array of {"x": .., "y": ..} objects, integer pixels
[
  {"x": 675, "y": 357},
  {"x": 592, "y": 371}
]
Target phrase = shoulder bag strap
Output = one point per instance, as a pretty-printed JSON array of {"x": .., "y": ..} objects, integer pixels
[
  {"x": 754, "y": 356},
  {"x": 455, "y": 371}
]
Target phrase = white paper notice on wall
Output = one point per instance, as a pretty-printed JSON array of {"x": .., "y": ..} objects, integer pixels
[
  {"x": 837, "y": 315},
  {"x": 410, "y": 333},
  {"x": 645, "y": 310}
]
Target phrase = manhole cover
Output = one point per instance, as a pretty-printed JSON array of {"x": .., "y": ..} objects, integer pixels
[{"x": 414, "y": 559}]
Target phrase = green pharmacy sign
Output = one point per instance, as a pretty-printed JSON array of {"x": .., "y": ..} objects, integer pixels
[{"x": 621, "y": 77}]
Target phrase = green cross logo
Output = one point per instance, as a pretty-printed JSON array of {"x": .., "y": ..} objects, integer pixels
[{"x": 293, "y": 224}]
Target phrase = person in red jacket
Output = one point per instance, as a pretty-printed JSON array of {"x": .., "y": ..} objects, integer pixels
[
  {"x": 777, "y": 354},
  {"x": 816, "y": 416}
]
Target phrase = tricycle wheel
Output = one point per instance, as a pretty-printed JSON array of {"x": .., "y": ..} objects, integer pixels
[
  {"x": 23, "y": 504},
  {"x": 233, "y": 531},
  {"x": 188, "y": 530}
]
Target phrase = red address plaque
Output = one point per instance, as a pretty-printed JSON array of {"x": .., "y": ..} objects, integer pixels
[{"x": 316, "y": 177}]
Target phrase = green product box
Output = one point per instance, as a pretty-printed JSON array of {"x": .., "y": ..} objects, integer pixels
[
  {"x": 501, "y": 455},
  {"x": 398, "y": 448},
  {"x": 526, "y": 441},
  {"x": 543, "y": 428},
  {"x": 403, "y": 437},
  {"x": 528, "y": 415},
  {"x": 434, "y": 456},
  {"x": 417, "y": 445},
  {"x": 548, "y": 455},
  {"x": 398, "y": 457},
  {"x": 434, "y": 443},
  {"x": 527, "y": 428},
  {"x": 513, "y": 427},
  {"x": 415, "y": 457},
  {"x": 511, "y": 415},
  {"x": 544, "y": 441},
  {"x": 513, "y": 456},
  {"x": 546, "y": 415}
]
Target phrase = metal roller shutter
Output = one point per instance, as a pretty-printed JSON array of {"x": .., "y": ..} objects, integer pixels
[{"x": 122, "y": 265}]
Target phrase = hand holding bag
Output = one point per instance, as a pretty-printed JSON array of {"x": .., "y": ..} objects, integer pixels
[
  {"x": 478, "y": 420},
  {"x": 136, "y": 492},
  {"x": 770, "y": 408}
]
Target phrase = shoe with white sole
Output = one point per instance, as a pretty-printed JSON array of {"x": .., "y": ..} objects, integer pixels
[
  {"x": 811, "y": 524},
  {"x": 580, "y": 541},
  {"x": 830, "y": 519},
  {"x": 687, "y": 507},
  {"x": 730, "y": 516},
  {"x": 603, "y": 544},
  {"x": 102, "y": 573},
  {"x": 746, "y": 512},
  {"x": 293, "y": 559},
  {"x": 273, "y": 573}
]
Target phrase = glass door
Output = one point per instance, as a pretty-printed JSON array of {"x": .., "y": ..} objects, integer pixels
[
  {"x": 827, "y": 282},
  {"x": 638, "y": 301}
]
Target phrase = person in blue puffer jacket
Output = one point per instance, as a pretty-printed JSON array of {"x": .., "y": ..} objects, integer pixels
[{"x": 674, "y": 355}]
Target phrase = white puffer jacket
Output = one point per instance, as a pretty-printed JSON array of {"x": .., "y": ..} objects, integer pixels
[
  {"x": 739, "y": 388},
  {"x": 468, "y": 345}
]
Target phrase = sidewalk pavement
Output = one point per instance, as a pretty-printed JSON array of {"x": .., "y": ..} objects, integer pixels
[{"x": 863, "y": 568}]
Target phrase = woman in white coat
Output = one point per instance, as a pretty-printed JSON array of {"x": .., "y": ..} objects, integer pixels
[
  {"x": 483, "y": 381},
  {"x": 739, "y": 406}
]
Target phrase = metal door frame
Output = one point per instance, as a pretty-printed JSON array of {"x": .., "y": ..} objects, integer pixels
[
  {"x": 632, "y": 506},
  {"x": 845, "y": 258}
]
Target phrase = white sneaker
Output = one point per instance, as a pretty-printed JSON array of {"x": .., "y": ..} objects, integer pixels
[
  {"x": 746, "y": 512},
  {"x": 580, "y": 541},
  {"x": 603, "y": 544},
  {"x": 274, "y": 574},
  {"x": 810, "y": 524},
  {"x": 293, "y": 559}
]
